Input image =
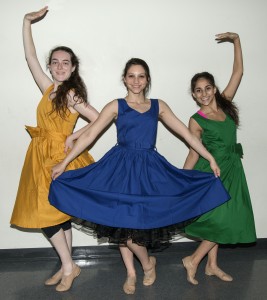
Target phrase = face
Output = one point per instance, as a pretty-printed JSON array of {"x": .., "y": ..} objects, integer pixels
[
  {"x": 61, "y": 66},
  {"x": 204, "y": 92},
  {"x": 136, "y": 79}
]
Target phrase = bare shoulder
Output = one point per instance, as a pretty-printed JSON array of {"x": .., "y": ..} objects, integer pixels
[
  {"x": 163, "y": 106},
  {"x": 111, "y": 108},
  {"x": 194, "y": 126},
  {"x": 113, "y": 104}
]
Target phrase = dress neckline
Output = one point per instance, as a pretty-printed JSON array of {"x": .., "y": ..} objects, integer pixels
[
  {"x": 200, "y": 113},
  {"x": 141, "y": 113}
]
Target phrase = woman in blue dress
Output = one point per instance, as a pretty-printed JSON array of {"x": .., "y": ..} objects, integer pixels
[{"x": 133, "y": 195}]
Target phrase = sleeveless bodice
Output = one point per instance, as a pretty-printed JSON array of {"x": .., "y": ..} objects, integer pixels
[
  {"x": 50, "y": 120},
  {"x": 135, "y": 129},
  {"x": 217, "y": 136}
]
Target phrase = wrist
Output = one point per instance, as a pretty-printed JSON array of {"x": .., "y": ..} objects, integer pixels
[
  {"x": 26, "y": 23},
  {"x": 236, "y": 38}
]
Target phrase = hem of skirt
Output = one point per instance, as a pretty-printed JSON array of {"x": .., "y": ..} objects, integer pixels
[{"x": 39, "y": 226}]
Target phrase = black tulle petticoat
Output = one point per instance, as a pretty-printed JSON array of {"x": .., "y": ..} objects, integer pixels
[{"x": 152, "y": 238}]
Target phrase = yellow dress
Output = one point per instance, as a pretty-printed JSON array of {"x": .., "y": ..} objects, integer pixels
[{"x": 32, "y": 208}]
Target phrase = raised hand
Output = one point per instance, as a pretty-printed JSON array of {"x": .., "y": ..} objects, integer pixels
[
  {"x": 32, "y": 16},
  {"x": 226, "y": 36}
]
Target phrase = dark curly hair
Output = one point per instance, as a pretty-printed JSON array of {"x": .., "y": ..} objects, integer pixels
[
  {"x": 139, "y": 62},
  {"x": 74, "y": 83},
  {"x": 227, "y": 106}
]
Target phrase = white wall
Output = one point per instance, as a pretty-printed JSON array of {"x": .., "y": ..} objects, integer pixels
[{"x": 176, "y": 38}]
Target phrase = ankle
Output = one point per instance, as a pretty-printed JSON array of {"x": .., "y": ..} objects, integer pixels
[
  {"x": 150, "y": 264},
  {"x": 131, "y": 275},
  {"x": 68, "y": 268},
  {"x": 211, "y": 266}
]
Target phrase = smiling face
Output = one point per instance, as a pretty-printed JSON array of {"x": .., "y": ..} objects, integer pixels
[
  {"x": 204, "y": 92},
  {"x": 136, "y": 79},
  {"x": 60, "y": 66}
]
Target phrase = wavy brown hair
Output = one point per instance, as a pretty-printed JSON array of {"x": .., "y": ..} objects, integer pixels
[
  {"x": 74, "y": 83},
  {"x": 228, "y": 107}
]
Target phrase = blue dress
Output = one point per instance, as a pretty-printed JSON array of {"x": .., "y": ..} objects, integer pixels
[{"x": 133, "y": 191}]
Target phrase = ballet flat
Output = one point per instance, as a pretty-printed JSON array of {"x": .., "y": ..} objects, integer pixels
[
  {"x": 66, "y": 281},
  {"x": 129, "y": 285},
  {"x": 55, "y": 278},
  {"x": 219, "y": 273},
  {"x": 190, "y": 269},
  {"x": 150, "y": 275}
]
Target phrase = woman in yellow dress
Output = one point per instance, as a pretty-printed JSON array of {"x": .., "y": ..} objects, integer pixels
[{"x": 64, "y": 99}]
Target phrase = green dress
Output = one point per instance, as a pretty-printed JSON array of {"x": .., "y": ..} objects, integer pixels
[{"x": 233, "y": 221}]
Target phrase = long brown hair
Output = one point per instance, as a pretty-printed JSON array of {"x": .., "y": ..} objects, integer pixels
[{"x": 74, "y": 83}]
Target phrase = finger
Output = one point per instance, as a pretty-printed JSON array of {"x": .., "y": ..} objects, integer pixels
[
  {"x": 54, "y": 176},
  {"x": 43, "y": 9}
]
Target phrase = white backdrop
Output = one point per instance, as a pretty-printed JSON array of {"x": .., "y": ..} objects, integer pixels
[{"x": 176, "y": 38}]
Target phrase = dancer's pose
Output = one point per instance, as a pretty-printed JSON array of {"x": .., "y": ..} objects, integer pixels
[
  {"x": 133, "y": 195},
  {"x": 64, "y": 98},
  {"x": 215, "y": 124}
]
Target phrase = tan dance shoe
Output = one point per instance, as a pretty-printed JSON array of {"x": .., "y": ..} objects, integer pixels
[
  {"x": 55, "y": 278},
  {"x": 150, "y": 275},
  {"x": 129, "y": 285},
  {"x": 66, "y": 281},
  {"x": 218, "y": 273},
  {"x": 190, "y": 269}
]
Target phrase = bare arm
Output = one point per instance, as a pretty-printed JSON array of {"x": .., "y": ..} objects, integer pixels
[
  {"x": 42, "y": 80},
  {"x": 169, "y": 118},
  {"x": 87, "y": 111},
  {"x": 108, "y": 114},
  {"x": 193, "y": 156},
  {"x": 237, "y": 73}
]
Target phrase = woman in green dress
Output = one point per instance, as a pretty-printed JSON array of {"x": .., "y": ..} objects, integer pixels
[{"x": 215, "y": 124}]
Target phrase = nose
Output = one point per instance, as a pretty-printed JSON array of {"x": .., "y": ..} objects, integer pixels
[
  {"x": 59, "y": 66},
  {"x": 204, "y": 92},
  {"x": 136, "y": 79}
]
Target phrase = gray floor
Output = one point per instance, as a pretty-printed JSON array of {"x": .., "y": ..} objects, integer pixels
[{"x": 23, "y": 272}]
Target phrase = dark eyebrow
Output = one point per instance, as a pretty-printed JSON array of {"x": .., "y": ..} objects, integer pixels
[
  {"x": 137, "y": 74},
  {"x": 63, "y": 59}
]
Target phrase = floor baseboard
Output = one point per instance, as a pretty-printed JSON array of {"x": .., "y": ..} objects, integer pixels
[{"x": 88, "y": 252}]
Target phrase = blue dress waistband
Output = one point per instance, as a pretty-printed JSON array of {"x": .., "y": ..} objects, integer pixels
[{"x": 136, "y": 145}]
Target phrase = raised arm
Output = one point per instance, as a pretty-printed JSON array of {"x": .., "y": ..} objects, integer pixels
[
  {"x": 42, "y": 80},
  {"x": 108, "y": 114},
  {"x": 237, "y": 73},
  {"x": 169, "y": 118}
]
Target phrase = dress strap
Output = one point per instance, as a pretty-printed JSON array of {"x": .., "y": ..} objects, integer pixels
[{"x": 201, "y": 114}]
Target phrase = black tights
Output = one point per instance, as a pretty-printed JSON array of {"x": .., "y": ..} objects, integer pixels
[{"x": 52, "y": 230}]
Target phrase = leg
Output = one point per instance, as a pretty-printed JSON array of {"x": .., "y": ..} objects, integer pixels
[
  {"x": 212, "y": 267},
  {"x": 128, "y": 259},
  {"x": 69, "y": 269},
  {"x": 61, "y": 238},
  {"x": 148, "y": 263},
  {"x": 50, "y": 232},
  {"x": 68, "y": 235},
  {"x": 61, "y": 245},
  {"x": 191, "y": 262}
]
